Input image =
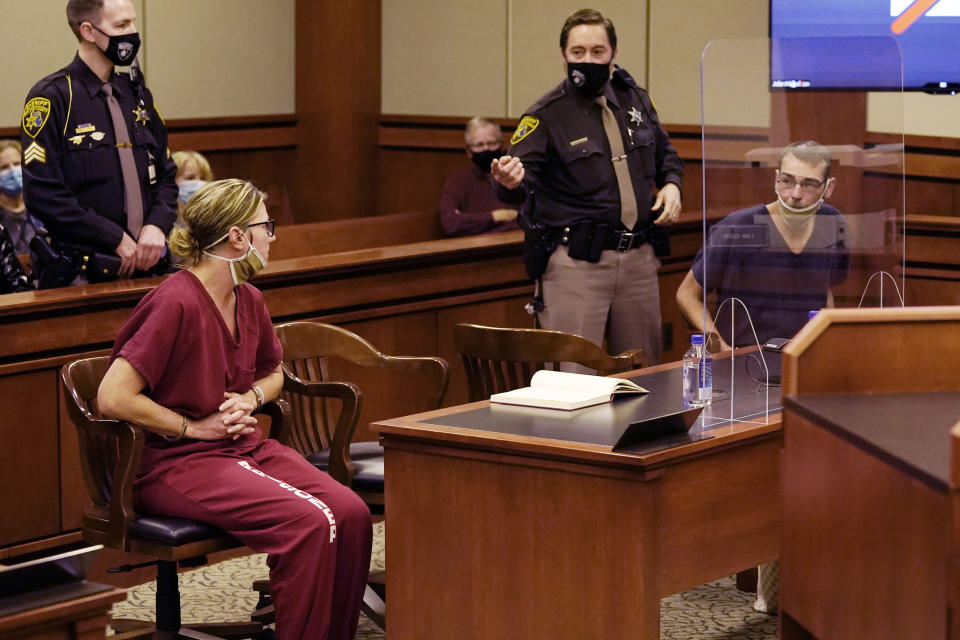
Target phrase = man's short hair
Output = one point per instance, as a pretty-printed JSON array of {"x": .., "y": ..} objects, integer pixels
[
  {"x": 478, "y": 123},
  {"x": 810, "y": 152},
  {"x": 587, "y": 16},
  {"x": 79, "y": 11}
]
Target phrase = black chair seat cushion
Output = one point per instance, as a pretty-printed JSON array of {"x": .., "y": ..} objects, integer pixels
[
  {"x": 367, "y": 460},
  {"x": 173, "y": 531}
]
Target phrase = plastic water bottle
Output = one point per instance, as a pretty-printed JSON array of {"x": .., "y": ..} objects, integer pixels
[{"x": 697, "y": 373}]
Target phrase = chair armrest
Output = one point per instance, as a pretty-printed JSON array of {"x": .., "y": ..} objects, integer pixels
[
  {"x": 281, "y": 416},
  {"x": 636, "y": 357},
  {"x": 304, "y": 433},
  {"x": 436, "y": 368},
  {"x": 130, "y": 440}
]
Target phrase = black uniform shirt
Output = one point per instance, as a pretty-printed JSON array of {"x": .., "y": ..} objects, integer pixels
[
  {"x": 71, "y": 170},
  {"x": 567, "y": 161}
]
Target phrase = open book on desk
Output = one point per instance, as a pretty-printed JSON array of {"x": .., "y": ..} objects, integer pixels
[{"x": 568, "y": 391}]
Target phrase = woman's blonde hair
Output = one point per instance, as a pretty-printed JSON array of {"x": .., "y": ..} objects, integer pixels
[
  {"x": 10, "y": 143},
  {"x": 212, "y": 211},
  {"x": 181, "y": 158}
]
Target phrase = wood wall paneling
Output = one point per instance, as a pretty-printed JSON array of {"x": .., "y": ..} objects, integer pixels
[
  {"x": 29, "y": 475},
  {"x": 338, "y": 105},
  {"x": 412, "y": 179}
]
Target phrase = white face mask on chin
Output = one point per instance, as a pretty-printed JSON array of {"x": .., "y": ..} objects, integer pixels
[{"x": 807, "y": 209}]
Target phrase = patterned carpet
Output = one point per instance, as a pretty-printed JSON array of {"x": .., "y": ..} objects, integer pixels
[{"x": 221, "y": 592}]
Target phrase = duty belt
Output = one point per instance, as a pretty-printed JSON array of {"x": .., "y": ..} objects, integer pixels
[{"x": 615, "y": 240}]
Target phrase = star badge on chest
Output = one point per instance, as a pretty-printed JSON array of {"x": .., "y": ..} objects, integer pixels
[
  {"x": 636, "y": 116},
  {"x": 141, "y": 113}
]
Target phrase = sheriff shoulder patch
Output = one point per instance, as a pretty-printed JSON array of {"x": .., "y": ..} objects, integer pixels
[
  {"x": 35, "y": 114},
  {"x": 527, "y": 125},
  {"x": 34, "y": 152}
]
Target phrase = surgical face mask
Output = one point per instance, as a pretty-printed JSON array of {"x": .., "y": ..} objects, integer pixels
[
  {"x": 808, "y": 209},
  {"x": 11, "y": 181},
  {"x": 243, "y": 268},
  {"x": 121, "y": 49},
  {"x": 588, "y": 78},
  {"x": 188, "y": 188},
  {"x": 483, "y": 159}
]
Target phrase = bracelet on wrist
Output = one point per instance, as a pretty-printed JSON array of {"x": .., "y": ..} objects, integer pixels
[
  {"x": 258, "y": 392},
  {"x": 183, "y": 430}
]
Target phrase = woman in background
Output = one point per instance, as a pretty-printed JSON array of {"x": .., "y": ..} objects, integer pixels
[
  {"x": 193, "y": 171},
  {"x": 21, "y": 226}
]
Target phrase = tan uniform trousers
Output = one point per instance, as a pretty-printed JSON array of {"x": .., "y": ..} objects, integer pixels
[{"x": 618, "y": 296}]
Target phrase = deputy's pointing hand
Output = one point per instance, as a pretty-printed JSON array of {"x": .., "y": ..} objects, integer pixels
[{"x": 508, "y": 171}]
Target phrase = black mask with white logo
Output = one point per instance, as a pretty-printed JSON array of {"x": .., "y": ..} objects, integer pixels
[
  {"x": 588, "y": 78},
  {"x": 483, "y": 159},
  {"x": 122, "y": 49}
]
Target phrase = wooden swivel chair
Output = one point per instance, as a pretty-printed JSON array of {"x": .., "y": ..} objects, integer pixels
[
  {"x": 110, "y": 453},
  {"x": 499, "y": 359},
  {"x": 307, "y": 349}
]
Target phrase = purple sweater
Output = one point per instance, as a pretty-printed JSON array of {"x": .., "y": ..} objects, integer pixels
[{"x": 467, "y": 203}]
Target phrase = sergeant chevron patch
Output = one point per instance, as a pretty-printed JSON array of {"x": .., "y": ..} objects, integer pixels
[{"x": 34, "y": 152}]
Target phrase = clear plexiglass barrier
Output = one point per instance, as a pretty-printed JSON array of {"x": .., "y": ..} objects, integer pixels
[{"x": 803, "y": 205}]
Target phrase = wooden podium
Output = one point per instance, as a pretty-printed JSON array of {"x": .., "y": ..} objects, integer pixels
[{"x": 871, "y": 476}]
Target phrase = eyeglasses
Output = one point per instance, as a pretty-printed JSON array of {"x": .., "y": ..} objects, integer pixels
[
  {"x": 268, "y": 226},
  {"x": 788, "y": 182}
]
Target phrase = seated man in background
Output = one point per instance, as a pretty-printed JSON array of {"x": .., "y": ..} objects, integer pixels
[
  {"x": 468, "y": 205},
  {"x": 193, "y": 171},
  {"x": 21, "y": 226},
  {"x": 779, "y": 258}
]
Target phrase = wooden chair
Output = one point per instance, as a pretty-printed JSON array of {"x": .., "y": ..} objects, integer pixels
[
  {"x": 325, "y": 442},
  {"x": 500, "y": 359},
  {"x": 110, "y": 453},
  {"x": 307, "y": 348}
]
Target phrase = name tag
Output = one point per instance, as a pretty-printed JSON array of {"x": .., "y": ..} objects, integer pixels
[
  {"x": 152, "y": 171},
  {"x": 574, "y": 143}
]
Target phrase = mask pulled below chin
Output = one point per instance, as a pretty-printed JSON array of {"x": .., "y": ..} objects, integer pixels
[{"x": 243, "y": 268}]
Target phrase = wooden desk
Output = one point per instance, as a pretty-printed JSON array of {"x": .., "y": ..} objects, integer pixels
[
  {"x": 498, "y": 535},
  {"x": 76, "y": 611}
]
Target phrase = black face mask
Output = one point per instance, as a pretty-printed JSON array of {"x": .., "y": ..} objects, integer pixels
[
  {"x": 483, "y": 159},
  {"x": 121, "y": 50},
  {"x": 588, "y": 78}
]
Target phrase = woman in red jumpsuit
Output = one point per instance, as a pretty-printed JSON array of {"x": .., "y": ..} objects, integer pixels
[{"x": 196, "y": 358}]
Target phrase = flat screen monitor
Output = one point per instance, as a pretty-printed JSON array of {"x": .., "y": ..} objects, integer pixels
[{"x": 854, "y": 45}]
